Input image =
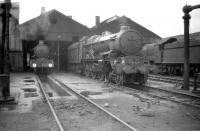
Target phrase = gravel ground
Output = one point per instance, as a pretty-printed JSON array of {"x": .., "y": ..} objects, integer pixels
[
  {"x": 76, "y": 115},
  {"x": 150, "y": 114},
  {"x": 142, "y": 112},
  {"x": 28, "y": 112},
  {"x": 39, "y": 119}
]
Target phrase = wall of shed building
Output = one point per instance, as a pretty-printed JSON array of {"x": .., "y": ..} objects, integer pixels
[
  {"x": 63, "y": 45},
  {"x": 27, "y": 45},
  {"x": 64, "y": 55}
]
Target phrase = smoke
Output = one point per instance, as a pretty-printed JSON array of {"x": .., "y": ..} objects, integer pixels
[{"x": 35, "y": 29}]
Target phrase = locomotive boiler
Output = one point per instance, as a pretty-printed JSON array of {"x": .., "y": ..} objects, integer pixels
[
  {"x": 121, "y": 51},
  {"x": 41, "y": 60}
]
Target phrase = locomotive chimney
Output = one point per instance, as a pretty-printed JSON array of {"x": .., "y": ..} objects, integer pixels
[
  {"x": 42, "y": 10},
  {"x": 70, "y": 16},
  {"x": 97, "y": 20}
]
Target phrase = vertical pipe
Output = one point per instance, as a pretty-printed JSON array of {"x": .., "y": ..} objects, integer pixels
[
  {"x": 162, "y": 52},
  {"x": 58, "y": 52},
  {"x": 186, "y": 18},
  {"x": 5, "y": 64},
  {"x": 5, "y": 35},
  {"x": 58, "y": 55}
]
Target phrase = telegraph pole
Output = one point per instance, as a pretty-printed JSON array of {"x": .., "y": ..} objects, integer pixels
[{"x": 187, "y": 9}]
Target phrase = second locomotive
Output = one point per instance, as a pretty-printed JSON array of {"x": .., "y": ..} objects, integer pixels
[{"x": 115, "y": 57}]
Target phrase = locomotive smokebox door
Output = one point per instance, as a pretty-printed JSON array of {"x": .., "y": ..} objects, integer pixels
[{"x": 4, "y": 86}]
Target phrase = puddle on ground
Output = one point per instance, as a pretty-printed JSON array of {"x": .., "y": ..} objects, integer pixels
[
  {"x": 87, "y": 93},
  {"x": 30, "y": 94},
  {"x": 29, "y": 82},
  {"x": 8, "y": 107},
  {"x": 29, "y": 89},
  {"x": 28, "y": 77},
  {"x": 50, "y": 94}
]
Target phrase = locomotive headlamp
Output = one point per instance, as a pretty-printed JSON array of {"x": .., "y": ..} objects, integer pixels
[
  {"x": 50, "y": 65},
  {"x": 34, "y": 65},
  {"x": 123, "y": 61},
  {"x": 100, "y": 60}
]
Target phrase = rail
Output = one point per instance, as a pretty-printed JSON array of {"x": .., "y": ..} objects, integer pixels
[
  {"x": 96, "y": 105},
  {"x": 49, "y": 104},
  {"x": 171, "y": 79}
]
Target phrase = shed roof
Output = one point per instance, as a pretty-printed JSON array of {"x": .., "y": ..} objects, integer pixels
[
  {"x": 53, "y": 25},
  {"x": 112, "y": 24}
]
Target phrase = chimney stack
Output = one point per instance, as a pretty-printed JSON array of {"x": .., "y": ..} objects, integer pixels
[
  {"x": 97, "y": 20},
  {"x": 70, "y": 16},
  {"x": 42, "y": 10}
]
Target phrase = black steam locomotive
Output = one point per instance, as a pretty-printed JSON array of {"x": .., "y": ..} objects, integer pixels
[
  {"x": 118, "y": 55},
  {"x": 41, "y": 60}
]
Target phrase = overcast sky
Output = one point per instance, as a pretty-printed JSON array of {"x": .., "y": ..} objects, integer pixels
[{"x": 163, "y": 17}]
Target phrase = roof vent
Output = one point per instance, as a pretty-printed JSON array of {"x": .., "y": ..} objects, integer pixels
[
  {"x": 42, "y": 10},
  {"x": 97, "y": 20},
  {"x": 70, "y": 16}
]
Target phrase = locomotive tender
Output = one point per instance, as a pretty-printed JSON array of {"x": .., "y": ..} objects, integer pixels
[
  {"x": 41, "y": 59},
  {"x": 169, "y": 58},
  {"x": 121, "y": 51}
]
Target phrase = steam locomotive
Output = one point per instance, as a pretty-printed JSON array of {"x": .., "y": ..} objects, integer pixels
[
  {"x": 120, "y": 51},
  {"x": 41, "y": 60},
  {"x": 168, "y": 58}
]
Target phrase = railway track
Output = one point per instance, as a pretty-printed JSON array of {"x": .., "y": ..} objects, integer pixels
[
  {"x": 140, "y": 108},
  {"x": 173, "y": 80},
  {"x": 159, "y": 93},
  {"x": 79, "y": 112},
  {"x": 181, "y": 98}
]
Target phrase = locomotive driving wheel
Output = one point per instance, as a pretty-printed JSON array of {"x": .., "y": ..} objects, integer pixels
[
  {"x": 101, "y": 76},
  {"x": 86, "y": 73},
  {"x": 93, "y": 75},
  {"x": 142, "y": 79}
]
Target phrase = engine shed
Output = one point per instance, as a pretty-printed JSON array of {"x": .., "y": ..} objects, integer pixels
[
  {"x": 56, "y": 29},
  {"x": 113, "y": 25}
]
